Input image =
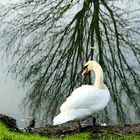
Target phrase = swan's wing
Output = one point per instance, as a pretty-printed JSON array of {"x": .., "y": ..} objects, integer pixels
[{"x": 84, "y": 97}]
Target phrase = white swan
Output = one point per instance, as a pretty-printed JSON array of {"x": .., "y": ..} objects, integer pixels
[{"x": 85, "y": 100}]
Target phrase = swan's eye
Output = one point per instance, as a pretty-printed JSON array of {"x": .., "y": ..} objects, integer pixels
[{"x": 85, "y": 67}]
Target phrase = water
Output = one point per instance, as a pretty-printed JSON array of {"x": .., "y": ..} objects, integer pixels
[{"x": 10, "y": 97}]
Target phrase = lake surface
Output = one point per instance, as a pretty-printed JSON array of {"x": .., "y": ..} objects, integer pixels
[{"x": 10, "y": 97}]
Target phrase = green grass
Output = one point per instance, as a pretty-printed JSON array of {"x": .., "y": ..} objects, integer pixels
[{"x": 5, "y": 134}]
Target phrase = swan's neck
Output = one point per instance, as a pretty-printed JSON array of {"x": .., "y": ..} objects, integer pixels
[{"x": 98, "y": 76}]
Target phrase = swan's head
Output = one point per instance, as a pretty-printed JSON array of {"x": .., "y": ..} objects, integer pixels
[{"x": 88, "y": 67}]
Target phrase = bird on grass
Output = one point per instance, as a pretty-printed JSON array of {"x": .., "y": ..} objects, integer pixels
[{"x": 85, "y": 100}]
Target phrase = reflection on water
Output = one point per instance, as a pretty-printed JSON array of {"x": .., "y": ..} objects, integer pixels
[{"x": 10, "y": 97}]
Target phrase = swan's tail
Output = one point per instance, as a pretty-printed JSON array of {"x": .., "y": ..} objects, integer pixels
[
  {"x": 69, "y": 115},
  {"x": 60, "y": 119}
]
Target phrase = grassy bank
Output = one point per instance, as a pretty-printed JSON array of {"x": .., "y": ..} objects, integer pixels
[{"x": 5, "y": 134}]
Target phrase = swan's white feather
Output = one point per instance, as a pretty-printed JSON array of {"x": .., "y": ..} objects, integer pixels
[{"x": 84, "y": 101}]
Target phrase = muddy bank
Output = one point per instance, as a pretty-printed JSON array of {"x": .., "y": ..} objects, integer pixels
[
  {"x": 56, "y": 131},
  {"x": 10, "y": 122},
  {"x": 62, "y": 130}
]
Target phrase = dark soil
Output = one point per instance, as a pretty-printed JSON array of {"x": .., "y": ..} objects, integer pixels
[
  {"x": 62, "y": 130},
  {"x": 9, "y": 122},
  {"x": 56, "y": 131}
]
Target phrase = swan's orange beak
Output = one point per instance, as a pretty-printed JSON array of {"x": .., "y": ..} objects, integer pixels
[{"x": 85, "y": 70}]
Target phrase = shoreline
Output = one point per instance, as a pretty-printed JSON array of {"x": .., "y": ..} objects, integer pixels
[{"x": 61, "y": 130}]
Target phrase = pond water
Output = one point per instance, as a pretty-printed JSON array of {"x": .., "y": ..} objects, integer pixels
[{"x": 10, "y": 97}]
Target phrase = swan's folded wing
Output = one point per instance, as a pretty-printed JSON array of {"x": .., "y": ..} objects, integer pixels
[{"x": 86, "y": 97}]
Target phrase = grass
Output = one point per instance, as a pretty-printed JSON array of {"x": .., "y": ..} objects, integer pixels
[{"x": 5, "y": 134}]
